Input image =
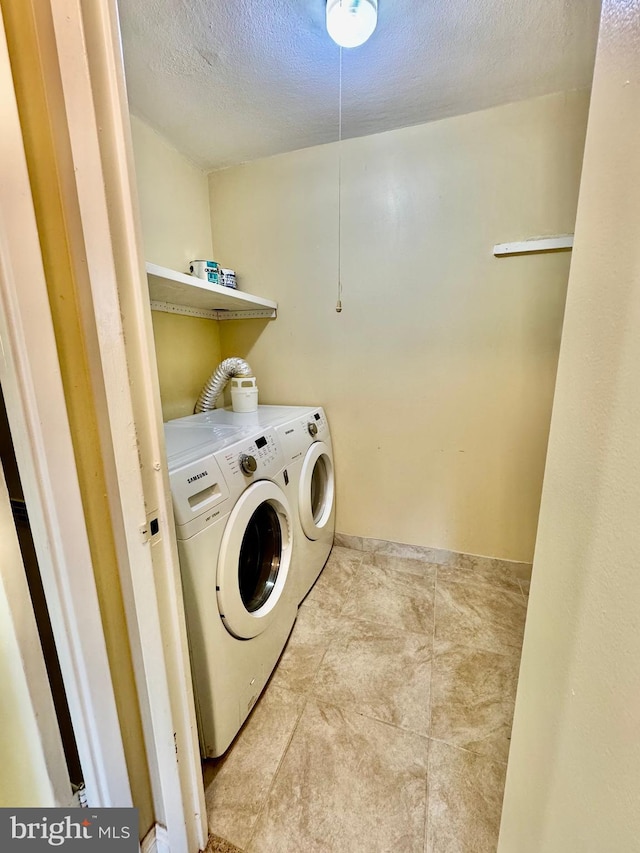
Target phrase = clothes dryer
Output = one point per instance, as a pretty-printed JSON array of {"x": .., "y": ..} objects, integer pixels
[
  {"x": 235, "y": 531},
  {"x": 306, "y": 440}
]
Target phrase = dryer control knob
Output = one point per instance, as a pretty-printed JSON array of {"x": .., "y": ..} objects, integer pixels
[
  {"x": 248, "y": 464},
  {"x": 313, "y": 429}
]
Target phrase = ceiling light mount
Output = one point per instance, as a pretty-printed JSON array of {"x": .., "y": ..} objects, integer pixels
[{"x": 351, "y": 22}]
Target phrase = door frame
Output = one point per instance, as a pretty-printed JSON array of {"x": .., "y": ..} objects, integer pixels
[
  {"x": 36, "y": 409},
  {"x": 86, "y": 41},
  {"x": 89, "y": 50}
]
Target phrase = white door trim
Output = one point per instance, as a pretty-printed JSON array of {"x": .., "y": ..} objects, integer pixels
[
  {"x": 92, "y": 75},
  {"x": 156, "y": 840},
  {"x": 36, "y": 408}
]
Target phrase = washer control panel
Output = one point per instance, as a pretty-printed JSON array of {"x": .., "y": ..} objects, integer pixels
[
  {"x": 255, "y": 459},
  {"x": 317, "y": 423},
  {"x": 297, "y": 435}
]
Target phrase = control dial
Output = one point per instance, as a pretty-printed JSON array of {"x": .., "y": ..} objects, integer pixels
[
  {"x": 248, "y": 464},
  {"x": 313, "y": 429}
]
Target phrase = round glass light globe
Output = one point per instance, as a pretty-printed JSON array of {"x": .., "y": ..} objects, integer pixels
[{"x": 351, "y": 22}]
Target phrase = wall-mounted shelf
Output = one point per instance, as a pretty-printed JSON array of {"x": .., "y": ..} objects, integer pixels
[
  {"x": 537, "y": 244},
  {"x": 178, "y": 293}
]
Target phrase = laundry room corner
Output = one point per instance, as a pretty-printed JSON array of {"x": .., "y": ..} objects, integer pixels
[{"x": 176, "y": 228}]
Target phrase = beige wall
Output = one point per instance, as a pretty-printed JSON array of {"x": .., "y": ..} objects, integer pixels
[
  {"x": 173, "y": 199},
  {"x": 438, "y": 375},
  {"x": 573, "y": 779},
  {"x": 174, "y": 208}
]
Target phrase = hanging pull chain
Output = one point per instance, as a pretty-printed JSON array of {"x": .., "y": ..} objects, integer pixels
[{"x": 339, "y": 302}]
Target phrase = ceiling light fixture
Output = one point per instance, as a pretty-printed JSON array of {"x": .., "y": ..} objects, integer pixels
[{"x": 351, "y": 22}]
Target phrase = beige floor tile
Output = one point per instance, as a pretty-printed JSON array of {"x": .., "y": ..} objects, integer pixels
[
  {"x": 388, "y": 596},
  {"x": 365, "y": 670},
  {"x": 237, "y": 784},
  {"x": 302, "y": 656},
  {"x": 472, "y": 698},
  {"x": 465, "y": 801},
  {"x": 399, "y": 549},
  {"x": 464, "y": 568},
  {"x": 353, "y": 777},
  {"x": 480, "y": 616},
  {"x": 410, "y": 565},
  {"x": 332, "y": 587},
  {"x": 347, "y": 783}
]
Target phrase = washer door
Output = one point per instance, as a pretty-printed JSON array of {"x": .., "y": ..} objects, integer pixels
[
  {"x": 255, "y": 555},
  {"x": 317, "y": 489}
]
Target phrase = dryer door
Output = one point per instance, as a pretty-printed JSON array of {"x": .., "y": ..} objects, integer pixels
[
  {"x": 317, "y": 490},
  {"x": 254, "y": 560}
]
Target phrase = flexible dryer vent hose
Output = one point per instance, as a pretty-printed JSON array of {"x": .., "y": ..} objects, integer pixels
[{"x": 225, "y": 371}]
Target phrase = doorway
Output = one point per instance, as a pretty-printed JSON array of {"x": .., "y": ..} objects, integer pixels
[{"x": 39, "y": 603}]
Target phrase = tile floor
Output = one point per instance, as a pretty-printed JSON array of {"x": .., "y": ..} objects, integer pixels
[{"x": 385, "y": 726}]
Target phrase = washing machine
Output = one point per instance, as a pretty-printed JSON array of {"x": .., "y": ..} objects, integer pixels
[
  {"x": 306, "y": 440},
  {"x": 235, "y": 529}
]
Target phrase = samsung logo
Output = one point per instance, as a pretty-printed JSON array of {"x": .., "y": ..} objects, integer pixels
[
  {"x": 197, "y": 476},
  {"x": 288, "y": 431}
]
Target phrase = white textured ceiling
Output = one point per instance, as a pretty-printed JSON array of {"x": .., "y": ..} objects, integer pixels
[{"x": 227, "y": 81}]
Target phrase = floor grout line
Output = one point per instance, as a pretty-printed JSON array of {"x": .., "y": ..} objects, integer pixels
[
  {"x": 523, "y": 593},
  {"x": 479, "y": 581},
  {"x": 367, "y": 717},
  {"x": 275, "y": 775},
  {"x": 433, "y": 646},
  {"x": 512, "y": 651},
  {"x": 306, "y": 697},
  {"x": 400, "y": 629},
  {"x": 469, "y": 751},
  {"x": 433, "y": 666}
]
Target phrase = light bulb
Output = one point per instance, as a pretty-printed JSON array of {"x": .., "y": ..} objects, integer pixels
[{"x": 351, "y": 22}]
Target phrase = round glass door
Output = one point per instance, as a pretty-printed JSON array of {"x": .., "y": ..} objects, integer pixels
[
  {"x": 254, "y": 560},
  {"x": 260, "y": 557},
  {"x": 317, "y": 490}
]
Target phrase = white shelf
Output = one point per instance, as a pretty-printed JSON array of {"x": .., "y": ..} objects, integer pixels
[
  {"x": 534, "y": 245},
  {"x": 178, "y": 293}
]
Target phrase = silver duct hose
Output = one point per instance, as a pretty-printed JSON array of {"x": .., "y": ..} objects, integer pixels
[{"x": 221, "y": 375}]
